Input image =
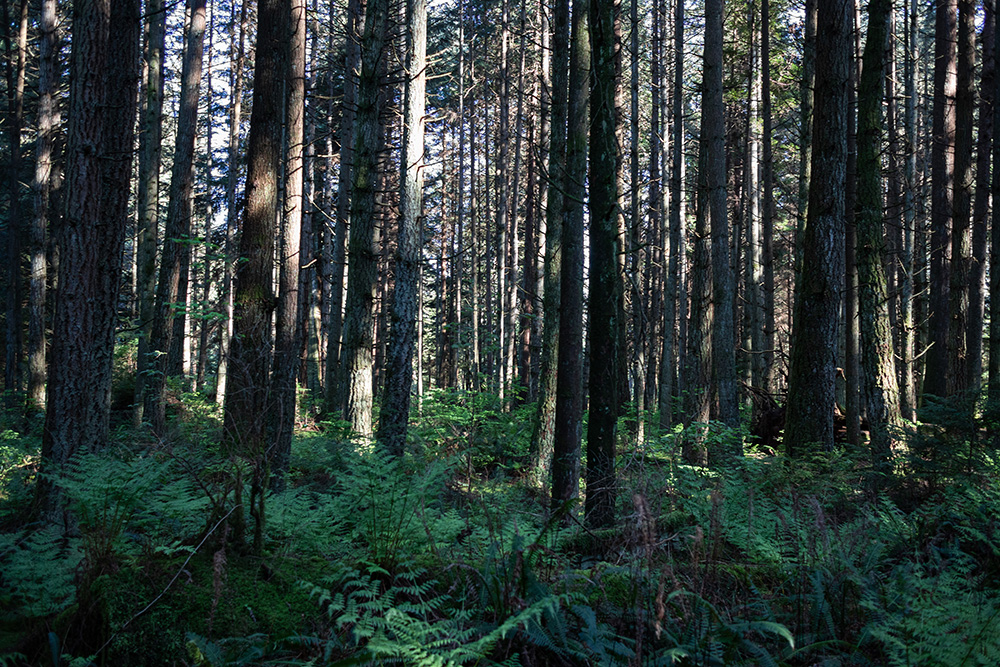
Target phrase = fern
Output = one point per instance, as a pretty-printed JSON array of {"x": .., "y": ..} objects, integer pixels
[{"x": 38, "y": 569}]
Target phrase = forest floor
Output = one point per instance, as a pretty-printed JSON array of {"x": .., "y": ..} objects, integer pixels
[{"x": 451, "y": 557}]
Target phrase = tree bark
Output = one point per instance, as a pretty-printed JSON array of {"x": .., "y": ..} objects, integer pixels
[
  {"x": 172, "y": 283},
  {"x": 399, "y": 373},
  {"x": 942, "y": 190},
  {"x": 606, "y": 289},
  {"x": 880, "y": 392},
  {"x": 289, "y": 333},
  {"x": 977, "y": 267},
  {"x": 569, "y": 376},
  {"x": 809, "y": 421},
  {"x": 49, "y": 121}
]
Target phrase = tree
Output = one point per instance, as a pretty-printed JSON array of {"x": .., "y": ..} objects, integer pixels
[
  {"x": 247, "y": 400},
  {"x": 171, "y": 288},
  {"x": 814, "y": 336},
  {"x": 942, "y": 190},
  {"x": 880, "y": 392},
  {"x": 92, "y": 236},
  {"x": 289, "y": 334},
  {"x": 606, "y": 289},
  {"x": 399, "y": 374},
  {"x": 569, "y": 377},
  {"x": 356, "y": 358}
]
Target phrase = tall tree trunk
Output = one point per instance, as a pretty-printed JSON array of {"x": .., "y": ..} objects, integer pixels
[
  {"x": 544, "y": 430},
  {"x": 232, "y": 210},
  {"x": 908, "y": 393},
  {"x": 993, "y": 370},
  {"x": 807, "y": 88},
  {"x": 658, "y": 336},
  {"x": 172, "y": 283},
  {"x": 635, "y": 253},
  {"x": 91, "y": 240},
  {"x": 569, "y": 376},
  {"x": 942, "y": 188},
  {"x": 754, "y": 269},
  {"x": 15, "y": 121},
  {"x": 288, "y": 335},
  {"x": 48, "y": 129},
  {"x": 336, "y": 395},
  {"x": 362, "y": 276},
  {"x": 606, "y": 290},
  {"x": 770, "y": 372},
  {"x": 672, "y": 342},
  {"x": 977, "y": 268},
  {"x": 247, "y": 400},
  {"x": 714, "y": 128},
  {"x": 399, "y": 373},
  {"x": 206, "y": 324},
  {"x": 881, "y": 395},
  {"x": 809, "y": 421},
  {"x": 851, "y": 363},
  {"x": 961, "y": 237}
]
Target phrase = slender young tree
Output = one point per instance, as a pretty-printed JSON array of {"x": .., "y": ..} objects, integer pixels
[
  {"x": 399, "y": 373},
  {"x": 770, "y": 373},
  {"x": 606, "y": 289},
  {"x": 908, "y": 389},
  {"x": 809, "y": 422}
]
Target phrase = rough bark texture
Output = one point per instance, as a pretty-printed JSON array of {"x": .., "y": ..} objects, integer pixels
[
  {"x": 237, "y": 33},
  {"x": 769, "y": 379},
  {"x": 544, "y": 430},
  {"x": 289, "y": 334},
  {"x": 91, "y": 239},
  {"x": 908, "y": 389},
  {"x": 14, "y": 122},
  {"x": 247, "y": 404},
  {"x": 980, "y": 213},
  {"x": 336, "y": 389},
  {"x": 942, "y": 187},
  {"x": 606, "y": 290},
  {"x": 880, "y": 392},
  {"x": 569, "y": 380},
  {"x": 402, "y": 336},
  {"x": 810, "y": 406},
  {"x": 48, "y": 129},
  {"x": 357, "y": 360},
  {"x": 961, "y": 237}
]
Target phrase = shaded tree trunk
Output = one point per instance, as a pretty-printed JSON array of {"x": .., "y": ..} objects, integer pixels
[
  {"x": 977, "y": 267},
  {"x": 606, "y": 289},
  {"x": 809, "y": 422},
  {"x": 399, "y": 373}
]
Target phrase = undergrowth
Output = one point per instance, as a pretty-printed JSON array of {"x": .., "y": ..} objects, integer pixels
[{"x": 445, "y": 557}]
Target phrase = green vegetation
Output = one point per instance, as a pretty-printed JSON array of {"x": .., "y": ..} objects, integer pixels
[{"x": 449, "y": 557}]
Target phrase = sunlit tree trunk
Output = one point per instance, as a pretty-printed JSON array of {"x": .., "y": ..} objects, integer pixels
[
  {"x": 961, "y": 237},
  {"x": 851, "y": 362},
  {"x": 49, "y": 120},
  {"x": 288, "y": 335},
  {"x": 357, "y": 360},
  {"x": 767, "y": 354},
  {"x": 544, "y": 429}
]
